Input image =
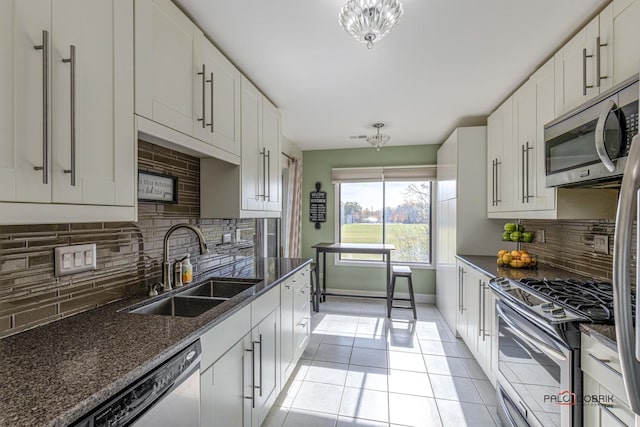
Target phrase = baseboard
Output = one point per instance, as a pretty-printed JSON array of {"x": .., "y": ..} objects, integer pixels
[{"x": 420, "y": 298}]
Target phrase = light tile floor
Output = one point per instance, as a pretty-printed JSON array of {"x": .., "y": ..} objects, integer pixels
[{"x": 363, "y": 369}]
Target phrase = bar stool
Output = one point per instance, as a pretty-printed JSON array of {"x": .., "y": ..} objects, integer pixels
[
  {"x": 314, "y": 287},
  {"x": 401, "y": 271}
]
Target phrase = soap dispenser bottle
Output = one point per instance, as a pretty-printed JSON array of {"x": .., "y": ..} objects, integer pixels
[{"x": 187, "y": 270}]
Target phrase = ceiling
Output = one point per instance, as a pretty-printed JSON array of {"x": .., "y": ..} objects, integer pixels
[{"x": 447, "y": 63}]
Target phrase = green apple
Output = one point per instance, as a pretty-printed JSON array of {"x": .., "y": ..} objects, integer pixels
[
  {"x": 510, "y": 227},
  {"x": 520, "y": 228},
  {"x": 527, "y": 237},
  {"x": 515, "y": 236},
  {"x": 506, "y": 236}
]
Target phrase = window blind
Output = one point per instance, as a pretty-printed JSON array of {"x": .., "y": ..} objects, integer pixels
[{"x": 384, "y": 173}]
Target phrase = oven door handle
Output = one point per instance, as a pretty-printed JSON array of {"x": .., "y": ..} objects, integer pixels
[
  {"x": 600, "y": 148},
  {"x": 537, "y": 343}
]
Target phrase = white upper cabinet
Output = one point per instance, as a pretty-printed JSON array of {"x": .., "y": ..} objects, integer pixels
[
  {"x": 500, "y": 165},
  {"x": 533, "y": 107},
  {"x": 252, "y": 190},
  {"x": 600, "y": 56},
  {"x": 185, "y": 84},
  {"x": 92, "y": 152},
  {"x": 217, "y": 97},
  {"x": 575, "y": 66},
  {"x": 24, "y": 105},
  {"x": 619, "y": 34},
  {"x": 271, "y": 145},
  {"x": 67, "y": 111},
  {"x": 165, "y": 76},
  {"x": 253, "y": 159}
]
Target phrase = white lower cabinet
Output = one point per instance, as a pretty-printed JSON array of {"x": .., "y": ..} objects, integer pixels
[
  {"x": 225, "y": 387},
  {"x": 247, "y": 357},
  {"x": 294, "y": 321},
  {"x": 605, "y": 398},
  {"x": 476, "y": 322},
  {"x": 265, "y": 342}
]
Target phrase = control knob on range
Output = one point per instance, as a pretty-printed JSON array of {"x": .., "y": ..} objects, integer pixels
[
  {"x": 546, "y": 306},
  {"x": 558, "y": 312},
  {"x": 504, "y": 283}
]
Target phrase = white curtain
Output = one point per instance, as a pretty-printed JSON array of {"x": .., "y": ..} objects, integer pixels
[{"x": 294, "y": 204}]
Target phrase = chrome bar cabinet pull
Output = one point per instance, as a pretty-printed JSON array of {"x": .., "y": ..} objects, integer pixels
[
  {"x": 267, "y": 189},
  {"x": 584, "y": 72},
  {"x": 72, "y": 62},
  {"x": 44, "y": 47},
  {"x": 204, "y": 101},
  {"x": 211, "y": 124},
  {"x": 253, "y": 374},
  {"x": 498, "y": 163},
  {"x": 599, "y": 76}
]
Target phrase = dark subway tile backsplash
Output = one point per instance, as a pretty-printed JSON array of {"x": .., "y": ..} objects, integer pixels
[
  {"x": 569, "y": 245},
  {"x": 129, "y": 255}
]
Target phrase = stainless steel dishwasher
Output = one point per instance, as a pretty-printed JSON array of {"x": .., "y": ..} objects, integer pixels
[{"x": 167, "y": 396}]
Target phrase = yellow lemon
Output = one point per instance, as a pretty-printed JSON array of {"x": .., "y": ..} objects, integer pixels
[
  {"x": 516, "y": 263},
  {"x": 502, "y": 252},
  {"x": 507, "y": 258},
  {"x": 515, "y": 253}
]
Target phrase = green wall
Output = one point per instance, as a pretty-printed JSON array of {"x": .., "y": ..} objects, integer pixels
[{"x": 317, "y": 168}]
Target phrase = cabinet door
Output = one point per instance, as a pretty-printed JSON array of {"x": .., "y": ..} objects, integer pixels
[
  {"x": 92, "y": 96},
  {"x": 24, "y": 108},
  {"x": 494, "y": 145},
  {"x": 501, "y": 148},
  {"x": 271, "y": 145},
  {"x": 544, "y": 198},
  {"x": 524, "y": 113},
  {"x": 225, "y": 388},
  {"x": 225, "y": 107},
  {"x": 302, "y": 313},
  {"x": 266, "y": 366},
  {"x": 575, "y": 69},
  {"x": 619, "y": 33},
  {"x": 165, "y": 76},
  {"x": 253, "y": 161},
  {"x": 287, "y": 330}
]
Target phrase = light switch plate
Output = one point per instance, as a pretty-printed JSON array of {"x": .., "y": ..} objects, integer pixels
[
  {"x": 601, "y": 244},
  {"x": 226, "y": 238},
  {"x": 74, "y": 259}
]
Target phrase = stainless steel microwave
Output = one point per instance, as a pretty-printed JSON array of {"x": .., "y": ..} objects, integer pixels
[{"x": 590, "y": 144}]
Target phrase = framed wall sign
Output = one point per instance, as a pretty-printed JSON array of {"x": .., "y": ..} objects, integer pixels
[
  {"x": 157, "y": 188},
  {"x": 318, "y": 206}
]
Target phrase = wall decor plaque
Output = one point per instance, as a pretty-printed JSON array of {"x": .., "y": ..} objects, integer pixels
[
  {"x": 318, "y": 206},
  {"x": 157, "y": 188}
]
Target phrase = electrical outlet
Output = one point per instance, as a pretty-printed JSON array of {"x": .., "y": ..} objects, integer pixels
[
  {"x": 226, "y": 238},
  {"x": 75, "y": 259},
  {"x": 601, "y": 244},
  {"x": 540, "y": 237}
]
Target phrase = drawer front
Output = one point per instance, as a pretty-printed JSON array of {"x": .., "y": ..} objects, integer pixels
[
  {"x": 216, "y": 341},
  {"x": 614, "y": 413},
  {"x": 603, "y": 365},
  {"x": 261, "y": 307}
]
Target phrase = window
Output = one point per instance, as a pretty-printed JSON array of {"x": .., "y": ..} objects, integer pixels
[{"x": 386, "y": 205}]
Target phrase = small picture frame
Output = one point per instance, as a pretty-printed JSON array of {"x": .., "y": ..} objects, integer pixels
[{"x": 157, "y": 188}]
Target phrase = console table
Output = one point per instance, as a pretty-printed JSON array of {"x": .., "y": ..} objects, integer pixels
[{"x": 349, "y": 248}]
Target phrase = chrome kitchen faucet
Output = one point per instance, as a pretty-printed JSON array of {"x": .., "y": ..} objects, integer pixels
[{"x": 166, "y": 264}]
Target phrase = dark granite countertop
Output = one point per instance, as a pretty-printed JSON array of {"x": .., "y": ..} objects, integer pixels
[
  {"x": 488, "y": 266},
  {"x": 54, "y": 374}
]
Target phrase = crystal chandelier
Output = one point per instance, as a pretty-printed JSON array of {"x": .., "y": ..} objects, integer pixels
[
  {"x": 378, "y": 139},
  {"x": 370, "y": 20}
]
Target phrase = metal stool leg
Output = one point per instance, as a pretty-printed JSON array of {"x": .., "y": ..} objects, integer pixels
[
  {"x": 412, "y": 297},
  {"x": 391, "y": 295}
]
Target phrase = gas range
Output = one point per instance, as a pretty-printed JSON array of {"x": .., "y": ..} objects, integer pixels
[
  {"x": 559, "y": 301},
  {"x": 539, "y": 345}
]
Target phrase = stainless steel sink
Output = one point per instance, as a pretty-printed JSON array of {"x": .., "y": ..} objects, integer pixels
[
  {"x": 182, "y": 306},
  {"x": 218, "y": 289}
]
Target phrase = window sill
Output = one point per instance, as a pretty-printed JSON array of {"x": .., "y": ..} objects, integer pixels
[{"x": 382, "y": 264}]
